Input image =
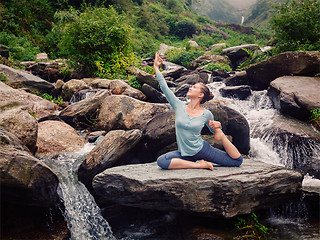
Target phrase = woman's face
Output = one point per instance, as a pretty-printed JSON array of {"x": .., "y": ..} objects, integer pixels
[{"x": 195, "y": 91}]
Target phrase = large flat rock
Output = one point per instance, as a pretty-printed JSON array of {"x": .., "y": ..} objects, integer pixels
[{"x": 224, "y": 192}]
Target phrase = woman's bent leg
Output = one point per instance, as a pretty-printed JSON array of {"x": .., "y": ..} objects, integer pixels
[
  {"x": 174, "y": 160},
  {"x": 218, "y": 156}
]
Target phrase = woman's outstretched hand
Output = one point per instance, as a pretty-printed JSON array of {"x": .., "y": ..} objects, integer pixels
[{"x": 157, "y": 62}]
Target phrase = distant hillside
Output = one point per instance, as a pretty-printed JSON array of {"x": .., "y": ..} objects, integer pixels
[
  {"x": 229, "y": 11},
  {"x": 261, "y": 13}
]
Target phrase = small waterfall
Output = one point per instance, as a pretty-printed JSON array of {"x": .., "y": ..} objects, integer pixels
[{"x": 81, "y": 212}]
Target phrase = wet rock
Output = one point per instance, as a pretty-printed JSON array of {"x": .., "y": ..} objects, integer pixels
[
  {"x": 20, "y": 78},
  {"x": 295, "y": 96},
  {"x": 84, "y": 113},
  {"x": 288, "y": 63},
  {"x": 55, "y": 137},
  {"x": 223, "y": 193},
  {"x": 10, "y": 98},
  {"x": 240, "y": 92},
  {"x": 123, "y": 112},
  {"x": 298, "y": 140},
  {"x": 107, "y": 153},
  {"x": 240, "y": 78},
  {"x": 71, "y": 87},
  {"x": 153, "y": 95},
  {"x": 208, "y": 58},
  {"x": 83, "y": 94},
  {"x": 22, "y": 124},
  {"x": 24, "y": 179}
]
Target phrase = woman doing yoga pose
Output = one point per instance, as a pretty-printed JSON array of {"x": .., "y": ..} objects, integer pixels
[{"x": 193, "y": 151}]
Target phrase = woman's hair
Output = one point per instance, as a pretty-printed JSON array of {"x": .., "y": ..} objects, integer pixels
[{"x": 207, "y": 94}]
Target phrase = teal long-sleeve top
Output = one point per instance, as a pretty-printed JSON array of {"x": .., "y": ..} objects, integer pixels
[{"x": 188, "y": 130}]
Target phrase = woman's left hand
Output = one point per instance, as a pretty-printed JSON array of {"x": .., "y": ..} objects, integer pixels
[{"x": 214, "y": 124}]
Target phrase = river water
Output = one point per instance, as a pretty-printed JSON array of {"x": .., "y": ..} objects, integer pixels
[{"x": 85, "y": 221}]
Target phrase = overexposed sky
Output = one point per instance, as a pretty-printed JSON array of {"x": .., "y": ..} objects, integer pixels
[{"x": 240, "y": 4}]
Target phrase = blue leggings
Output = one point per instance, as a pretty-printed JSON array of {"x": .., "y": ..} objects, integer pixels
[{"x": 207, "y": 153}]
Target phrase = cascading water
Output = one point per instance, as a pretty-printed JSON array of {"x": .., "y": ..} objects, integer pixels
[
  {"x": 266, "y": 146},
  {"x": 81, "y": 212}
]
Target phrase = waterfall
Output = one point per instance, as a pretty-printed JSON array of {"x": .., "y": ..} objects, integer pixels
[{"x": 82, "y": 214}]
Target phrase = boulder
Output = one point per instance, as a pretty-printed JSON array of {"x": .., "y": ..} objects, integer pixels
[
  {"x": 55, "y": 137},
  {"x": 193, "y": 43},
  {"x": 288, "y": 63},
  {"x": 153, "y": 95},
  {"x": 224, "y": 193},
  {"x": 295, "y": 96},
  {"x": 71, "y": 87},
  {"x": 220, "y": 73},
  {"x": 237, "y": 54},
  {"x": 182, "y": 90},
  {"x": 298, "y": 140},
  {"x": 144, "y": 77},
  {"x": 164, "y": 48},
  {"x": 42, "y": 57},
  {"x": 174, "y": 72},
  {"x": 170, "y": 66},
  {"x": 20, "y": 78},
  {"x": 24, "y": 179},
  {"x": 84, "y": 113},
  {"x": 123, "y": 112},
  {"x": 10, "y": 98},
  {"x": 239, "y": 92},
  {"x": 93, "y": 136},
  {"x": 207, "y": 58},
  {"x": 22, "y": 124},
  {"x": 217, "y": 46},
  {"x": 107, "y": 153},
  {"x": 50, "y": 71},
  {"x": 118, "y": 87},
  {"x": 209, "y": 29},
  {"x": 58, "y": 88},
  {"x": 190, "y": 79},
  {"x": 240, "y": 78}
]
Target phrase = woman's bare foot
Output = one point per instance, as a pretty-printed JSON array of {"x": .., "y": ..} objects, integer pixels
[
  {"x": 206, "y": 165},
  {"x": 218, "y": 134}
]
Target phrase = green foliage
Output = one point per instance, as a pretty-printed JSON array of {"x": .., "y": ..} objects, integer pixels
[
  {"x": 297, "y": 26},
  {"x": 20, "y": 48},
  {"x": 215, "y": 66},
  {"x": 250, "y": 228},
  {"x": 98, "y": 41},
  {"x": 184, "y": 28},
  {"x": 50, "y": 98},
  {"x": 255, "y": 57},
  {"x": 133, "y": 82},
  {"x": 315, "y": 115},
  {"x": 3, "y": 77},
  {"x": 183, "y": 57}
]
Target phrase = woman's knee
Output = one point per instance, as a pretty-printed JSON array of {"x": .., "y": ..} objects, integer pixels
[
  {"x": 238, "y": 161},
  {"x": 163, "y": 162}
]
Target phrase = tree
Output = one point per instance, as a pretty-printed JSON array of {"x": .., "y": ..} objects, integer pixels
[
  {"x": 184, "y": 28},
  {"x": 296, "y": 23},
  {"x": 98, "y": 40}
]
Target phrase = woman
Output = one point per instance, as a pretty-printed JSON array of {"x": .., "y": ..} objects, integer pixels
[{"x": 193, "y": 151}]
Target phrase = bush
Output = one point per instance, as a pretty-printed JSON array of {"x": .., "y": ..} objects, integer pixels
[
  {"x": 98, "y": 40},
  {"x": 215, "y": 66},
  {"x": 184, "y": 28},
  {"x": 296, "y": 25}
]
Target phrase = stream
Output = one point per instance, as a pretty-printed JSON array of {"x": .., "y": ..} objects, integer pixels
[{"x": 86, "y": 221}]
